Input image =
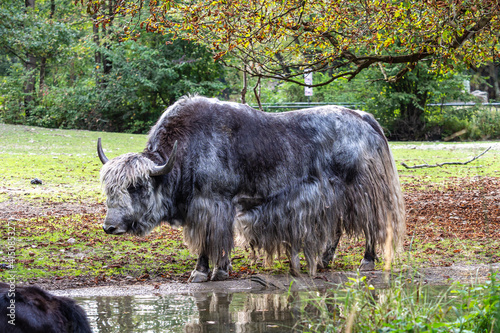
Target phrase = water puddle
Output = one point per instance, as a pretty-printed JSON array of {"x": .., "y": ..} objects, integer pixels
[
  {"x": 269, "y": 303},
  {"x": 219, "y": 311},
  {"x": 212, "y": 312}
]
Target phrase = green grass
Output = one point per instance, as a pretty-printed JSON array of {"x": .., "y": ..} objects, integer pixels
[
  {"x": 65, "y": 160},
  {"x": 75, "y": 245},
  {"x": 403, "y": 307},
  {"x": 417, "y": 153},
  {"x": 67, "y": 163}
]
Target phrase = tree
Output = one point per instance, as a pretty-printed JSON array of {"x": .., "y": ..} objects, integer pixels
[
  {"x": 103, "y": 41},
  {"x": 29, "y": 35},
  {"x": 282, "y": 39},
  {"x": 30, "y": 66},
  {"x": 487, "y": 78},
  {"x": 87, "y": 76},
  {"x": 401, "y": 106},
  {"x": 147, "y": 76}
]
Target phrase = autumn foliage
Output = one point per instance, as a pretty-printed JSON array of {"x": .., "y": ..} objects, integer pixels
[{"x": 282, "y": 39}]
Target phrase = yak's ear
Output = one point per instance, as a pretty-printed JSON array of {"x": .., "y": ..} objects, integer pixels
[
  {"x": 100, "y": 152},
  {"x": 160, "y": 170}
]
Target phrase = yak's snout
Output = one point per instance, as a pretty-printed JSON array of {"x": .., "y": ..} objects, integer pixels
[
  {"x": 113, "y": 229},
  {"x": 109, "y": 230},
  {"x": 115, "y": 222}
]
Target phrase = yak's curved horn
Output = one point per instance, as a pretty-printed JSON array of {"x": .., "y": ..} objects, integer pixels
[
  {"x": 100, "y": 152},
  {"x": 160, "y": 170}
]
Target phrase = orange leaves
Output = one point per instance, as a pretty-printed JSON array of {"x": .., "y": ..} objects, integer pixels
[
  {"x": 457, "y": 211},
  {"x": 219, "y": 55}
]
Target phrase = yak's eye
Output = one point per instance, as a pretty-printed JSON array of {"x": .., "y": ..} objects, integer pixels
[{"x": 133, "y": 189}]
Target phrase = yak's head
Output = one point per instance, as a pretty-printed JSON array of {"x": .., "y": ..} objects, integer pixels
[{"x": 132, "y": 186}]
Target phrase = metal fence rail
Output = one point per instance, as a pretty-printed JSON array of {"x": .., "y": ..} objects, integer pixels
[
  {"x": 302, "y": 105},
  {"x": 276, "y": 107}
]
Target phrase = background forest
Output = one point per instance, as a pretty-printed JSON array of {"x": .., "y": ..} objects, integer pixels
[{"x": 59, "y": 70}]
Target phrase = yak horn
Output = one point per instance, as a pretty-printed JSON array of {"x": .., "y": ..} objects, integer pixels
[
  {"x": 100, "y": 152},
  {"x": 160, "y": 170}
]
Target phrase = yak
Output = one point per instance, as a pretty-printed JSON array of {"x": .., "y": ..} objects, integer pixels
[
  {"x": 32, "y": 310},
  {"x": 286, "y": 182}
]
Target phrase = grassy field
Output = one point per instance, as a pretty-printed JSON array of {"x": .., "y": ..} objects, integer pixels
[
  {"x": 418, "y": 153},
  {"x": 58, "y": 223},
  {"x": 65, "y": 160}
]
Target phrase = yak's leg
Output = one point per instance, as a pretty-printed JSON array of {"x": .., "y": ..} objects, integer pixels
[
  {"x": 329, "y": 253},
  {"x": 368, "y": 262},
  {"x": 221, "y": 271},
  {"x": 221, "y": 239},
  {"x": 312, "y": 263},
  {"x": 210, "y": 232},
  {"x": 293, "y": 256},
  {"x": 200, "y": 273}
]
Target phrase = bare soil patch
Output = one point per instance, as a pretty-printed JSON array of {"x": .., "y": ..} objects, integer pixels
[{"x": 16, "y": 209}]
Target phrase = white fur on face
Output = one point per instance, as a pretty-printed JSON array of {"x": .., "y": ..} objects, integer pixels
[{"x": 138, "y": 215}]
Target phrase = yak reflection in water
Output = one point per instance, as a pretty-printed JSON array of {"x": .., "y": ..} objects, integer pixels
[
  {"x": 212, "y": 312},
  {"x": 243, "y": 313}
]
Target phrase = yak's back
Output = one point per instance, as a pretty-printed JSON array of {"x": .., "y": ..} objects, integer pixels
[{"x": 193, "y": 115}]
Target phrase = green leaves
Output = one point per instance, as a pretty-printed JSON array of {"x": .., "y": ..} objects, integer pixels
[
  {"x": 90, "y": 77},
  {"x": 28, "y": 32}
]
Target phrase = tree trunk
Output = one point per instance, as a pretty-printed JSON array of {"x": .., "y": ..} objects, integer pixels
[
  {"x": 29, "y": 85},
  {"x": 495, "y": 92},
  {"x": 43, "y": 63},
  {"x": 43, "y": 60},
  {"x": 244, "y": 89},
  {"x": 52, "y": 9},
  {"x": 97, "y": 54},
  {"x": 101, "y": 59},
  {"x": 106, "y": 61},
  {"x": 256, "y": 91},
  {"x": 410, "y": 124},
  {"x": 29, "y": 66}
]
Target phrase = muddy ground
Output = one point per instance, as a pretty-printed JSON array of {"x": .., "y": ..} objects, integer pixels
[{"x": 467, "y": 274}]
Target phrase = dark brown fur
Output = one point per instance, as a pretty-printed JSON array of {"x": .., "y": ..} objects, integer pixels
[{"x": 37, "y": 311}]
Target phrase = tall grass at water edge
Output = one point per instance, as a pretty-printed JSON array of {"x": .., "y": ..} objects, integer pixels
[{"x": 404, "y": 307}]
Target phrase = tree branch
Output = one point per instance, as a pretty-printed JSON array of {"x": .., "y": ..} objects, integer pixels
[
  {"x": 256, "y": 91},
  {"x": 420, "y": 166}
]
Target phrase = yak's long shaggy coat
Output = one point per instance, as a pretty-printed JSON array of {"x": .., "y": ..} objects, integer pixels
[
  {"x": 360, "y": 191},
  {"x": 286, "y": 181}
]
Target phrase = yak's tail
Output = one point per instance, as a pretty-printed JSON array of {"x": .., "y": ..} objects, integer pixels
[{"x": 374, "y": 201}]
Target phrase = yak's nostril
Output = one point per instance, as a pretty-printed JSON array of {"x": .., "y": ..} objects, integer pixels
[{"x": 109, "y": 230}]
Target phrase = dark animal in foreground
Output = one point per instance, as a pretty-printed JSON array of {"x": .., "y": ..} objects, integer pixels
[
  {"x": 286, "y": 182},
  {"x": 37, "y": 311}
]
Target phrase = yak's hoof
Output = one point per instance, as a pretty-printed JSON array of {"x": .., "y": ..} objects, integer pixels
[
  {"x": 313, "y": 271},
  {"x": 198, "y": 277},
  {"x": 219, "y": 275},
  {"x": 323, "y": 264},
  {"x": 367, "y": 265}
]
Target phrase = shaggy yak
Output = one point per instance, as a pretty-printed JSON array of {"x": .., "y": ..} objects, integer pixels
[
  {"x": 32, "y": 310},
  {"x": 286, "y": 182}
]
